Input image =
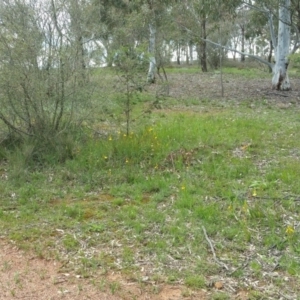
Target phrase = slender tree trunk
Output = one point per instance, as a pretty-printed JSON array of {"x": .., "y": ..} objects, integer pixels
[
  {"x": 243, "y": 42},
  {"x": 191, "y": 52},
  {"x": 109, "y": 50},
  {"x": 251, "y": 51},
  {"x": 280, "y": 79},
  {"x": 187, "y": 58},
  {"x": 178, "y": 54},
  {"x": 270, "y": 55},
  {"x": 80, "y": 51},
  {"x": 152, "y": 60},
  {"x": 203, "y": 58},
  {"x": 235, "y": 44}
]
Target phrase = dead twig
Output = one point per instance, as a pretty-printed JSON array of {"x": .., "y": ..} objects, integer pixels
[
  {"x": 239, "y": 268},
  {"x": 213, "y": 251},
  {"x": 277, "y": 94},
  {"x": 285, "y": 296}
]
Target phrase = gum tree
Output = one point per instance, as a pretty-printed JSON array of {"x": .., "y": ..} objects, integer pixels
[
  {"x": 201, "y": 20},
  {"x": 281, "y": 46},
  {"x": 281, "y": 43},
  {"x": 155, "y": 12}
]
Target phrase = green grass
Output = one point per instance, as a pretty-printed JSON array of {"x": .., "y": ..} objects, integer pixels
[
  {"x": 247, "y": 72},
  {"x": 146, "y": 197},
  {"x": 183, "y": 69}
]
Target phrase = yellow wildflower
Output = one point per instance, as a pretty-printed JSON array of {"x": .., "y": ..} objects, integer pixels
[{"x": 290, "y": 230}]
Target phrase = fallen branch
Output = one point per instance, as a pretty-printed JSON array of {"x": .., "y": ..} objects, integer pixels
[
  {"x": 277, "y": 94},
  {"x": 213, "y": 251}
]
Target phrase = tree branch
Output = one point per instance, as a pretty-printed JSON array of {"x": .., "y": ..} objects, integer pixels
[
  {"x": 270, "y": 14},
  {"x": 240, "y": 52},
  {"x": 213, "y": 250},
  {"x": 230, "y": 49}
]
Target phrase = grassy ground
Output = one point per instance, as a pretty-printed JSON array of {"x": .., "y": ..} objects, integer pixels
[{"x": 202, "y": 194}]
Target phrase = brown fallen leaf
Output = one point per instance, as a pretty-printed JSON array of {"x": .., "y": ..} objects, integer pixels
[{"x": 218, "y": 285}]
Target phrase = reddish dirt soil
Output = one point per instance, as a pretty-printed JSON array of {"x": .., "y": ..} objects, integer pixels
[{"x": 25, "y": 276}]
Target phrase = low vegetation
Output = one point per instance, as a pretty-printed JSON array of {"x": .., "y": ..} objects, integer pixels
[{"x": 194, "y": 192}]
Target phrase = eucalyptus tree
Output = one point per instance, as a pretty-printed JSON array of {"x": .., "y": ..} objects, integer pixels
[
  {"x": 281, "y": 42},
  {"x": 251, "y": 32},
  {"x": 201, "y": 19},
  {"x": 146, "y": 18},
  {"x": 295, "y": 9},
  {"x": 153, "y": 15},
  {"x": 156, "y": 13},
  {"x": 281, "y": 45},
  {"x": 79, "y": 35},
  {"x": 106, "y": 19},
  {"x": 198, "y": 13},
  {"x": 242, "y": 21}
]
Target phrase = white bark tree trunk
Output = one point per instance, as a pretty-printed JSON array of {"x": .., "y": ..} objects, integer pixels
[
  {"x": 152, "y": 60},
  {"x": 280, "y": 80}
]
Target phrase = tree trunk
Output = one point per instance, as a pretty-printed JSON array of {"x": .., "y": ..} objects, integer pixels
[
  {"x": 191, "y": 52},
  {"x": 280, "y": 79},
  {"x": 80, "y": 51},
  {"x": 270, "y": 55},
  {"x": 203, "y": 58},
  {"x": 243, "y": 42},
  {"x": 187, "y": 58},
  {"x": 235, "y": 44},
  {"x": 178, "y": 54},
  {"x": 152, "y": 60}
]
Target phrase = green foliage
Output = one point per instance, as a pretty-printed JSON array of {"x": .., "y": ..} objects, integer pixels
[
  {"x": 220, "y": 296},
  {"x": 295, "y": 59},
  {"x": 195, "y": 281},
  {"x": 42, "y": 86},
  {"x": 70, "y": 243}
]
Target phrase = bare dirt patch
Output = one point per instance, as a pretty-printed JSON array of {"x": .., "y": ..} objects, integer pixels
[
  {"x": 207, "y": 86},
  {"x": 25, "y": 276}
]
